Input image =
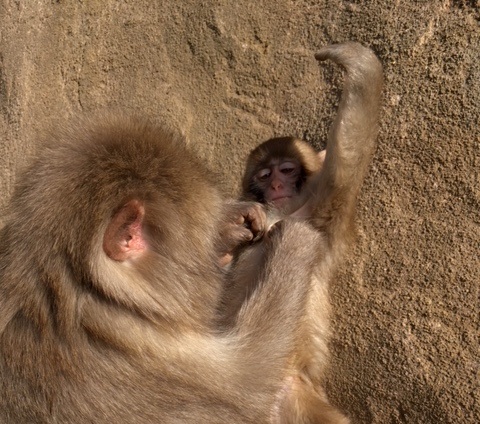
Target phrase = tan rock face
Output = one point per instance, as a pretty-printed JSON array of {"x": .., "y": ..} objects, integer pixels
[{"x": 231, "y": 74}]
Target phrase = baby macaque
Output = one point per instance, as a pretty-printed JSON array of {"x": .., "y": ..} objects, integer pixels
[{"x": 294, "y": 182}]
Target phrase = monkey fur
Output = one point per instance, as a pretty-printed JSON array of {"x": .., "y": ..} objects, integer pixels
[
  {"x": 109, "y": 287},
  {"x": 327, "y": 193}
]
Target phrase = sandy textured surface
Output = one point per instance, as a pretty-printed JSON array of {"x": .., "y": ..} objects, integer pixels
[{"x": 231, "y": 74}]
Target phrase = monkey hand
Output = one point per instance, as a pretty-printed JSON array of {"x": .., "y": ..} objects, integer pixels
[
  {"x": 253, "y": 218},
  {"x": 360, "y": 62},
  {"x": 243, "y": 222}
]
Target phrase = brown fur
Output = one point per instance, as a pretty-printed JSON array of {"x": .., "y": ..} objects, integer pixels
[
  {"x": 328, "y": 193},
  {"x": 88, "y": 339}
]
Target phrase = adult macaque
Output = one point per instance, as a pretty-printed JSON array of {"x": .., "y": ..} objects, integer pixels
[
  {"x": 109, "y": 287},
  {"x": 294, "y": 181}
]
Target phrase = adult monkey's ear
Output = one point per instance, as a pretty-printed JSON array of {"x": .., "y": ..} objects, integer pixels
[{"x": 124, "y": 238}]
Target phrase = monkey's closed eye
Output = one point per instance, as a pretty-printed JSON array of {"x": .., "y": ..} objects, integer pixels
[
  {"x": 287, "y": 168},
  {"x": 263, "y": 174}
]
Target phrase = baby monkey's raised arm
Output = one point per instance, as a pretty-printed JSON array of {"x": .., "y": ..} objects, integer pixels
[{"x": 294, "y": 181}]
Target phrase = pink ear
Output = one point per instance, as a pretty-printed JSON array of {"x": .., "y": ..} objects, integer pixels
[{"x": 123, "y": 238}]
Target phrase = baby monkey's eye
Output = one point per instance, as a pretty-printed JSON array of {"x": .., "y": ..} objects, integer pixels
[
  {"x": 287, "y": 168},
  {"x": 263, "y": 174}
]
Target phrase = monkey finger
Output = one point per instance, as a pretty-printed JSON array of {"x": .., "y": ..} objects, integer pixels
[
  {"x": 236, "y": 236},
  {"x": 240, "y": 220},
  {"x": 225, "y": 259},
  {"x": 258, "y": 231},
  {"x": 257, "y": 219},
  {"x": 333, "y": 51},
  {"x": 243, "y": 234}
]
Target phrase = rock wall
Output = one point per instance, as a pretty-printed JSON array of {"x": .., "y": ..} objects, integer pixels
[{"x": 231, "y": 74}]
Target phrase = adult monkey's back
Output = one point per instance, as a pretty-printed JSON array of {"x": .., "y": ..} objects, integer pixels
[
  {"x": 109, "y": 287},
  {"x": 327, "y": 198}
]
